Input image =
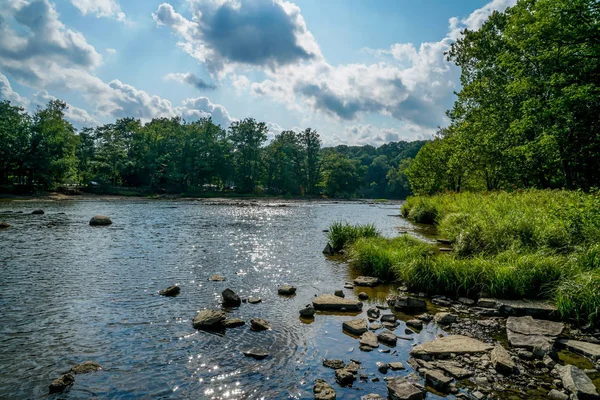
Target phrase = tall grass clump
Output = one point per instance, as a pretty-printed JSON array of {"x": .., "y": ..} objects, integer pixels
[
  {"x": 342, "y": 234},
  {"x": 579, "y": 297}
]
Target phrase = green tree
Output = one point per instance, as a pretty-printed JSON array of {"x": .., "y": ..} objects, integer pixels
[{"x": 247, "y": 137}]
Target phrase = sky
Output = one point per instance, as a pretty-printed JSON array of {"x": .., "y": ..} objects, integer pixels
[{"x": 357, "y": 71}]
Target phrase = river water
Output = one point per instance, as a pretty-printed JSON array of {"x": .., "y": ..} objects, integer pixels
[{"x": 70, "y": 292}]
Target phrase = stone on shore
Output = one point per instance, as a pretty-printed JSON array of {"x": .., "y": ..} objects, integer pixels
[
  {"x": 230, "y": 298},
  {"x": 533, "y": 308},
  {"x": 233, "y": 323},
  {"x": 355, "y": 326},
  {"x": 576, "y": 382},
  {"x": 330, "y": 302},
  {"x": 437, "y": 380},
  {"x": 170, "y": 291},
  {"x": 257, "y": 353},
  {"x": 407, "y": 303},
  {"x": 369, "y": 339},
  {"x": 501, "y": 360},
  {"x": 366, "y": 281},
  {"x": 401, "y": 389},
  {"x": 387, "y": 337},
  {"x": 466, "y": 301},
  {"x": 308, "y": 312},
  {"x": 217, "y": 278},
  {"x": 62, "y": 383},
  {"x": 447, "y": 345},
  {"x": 100, "y": 220},
  {"x": 39, "y": 212},
  {"x": 526, "y": 332},
  {"x": 323, "y": 391},
  {"x": 454, "y": 369},
  {"x": 286, "y": 290},
  {"x": 587, "y": 349},
  {"x": 85, "y": 368},
  {"x": 445, "y": 318},
  {"x": 209, "y": 319},
  {"x": 557, "y": 395},
  {"x": 259, "y": 324}
]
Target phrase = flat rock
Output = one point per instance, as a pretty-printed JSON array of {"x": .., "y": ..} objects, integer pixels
[
  {"x": 401, "y": 389},
  {"x": 396, "y": 366},
  {"x": 388, "y": 337},
  {"x": 533, "y": 308},
  {"x": 217, "y": 278},
  {"x": 466, "y": 301},
  {"x": 62, "y": 383},
  {"x": 501, "y": 360},
  {"x": 99, "y": 220},
  {"x": 587, "y": 349},
  {"x": 334, "y": 364},
  {"x": 455, "y": 344},
  {"x": 487, "y": 303},
  {"x": 286, "y": 290},
  {"x": 528, "y": 342},
  {"x": 415, "y": 323},
  {"x": 209, "y": 319},
  {"x": 375, "y": 326},
  {"x": 170, "y": 291},
  {"x": 371, "y": 396},
  {"x": 355, "y": 326},
  {"x": 329, "y": 302},
  {"x": 366, "y": 281},
  {"x": 323, "y": 391},
  {"x": 369, "y": 339},
  {"x": 578, "y": 383},
  {"x": 233, "y": 323},
  {"x": 454, "y": 369},
  {"x": 259, "y": 324},
  {"x": 85, "y": 368},
  {"x": 529, "y": 326},
  {"x": 256, "y": 353}
]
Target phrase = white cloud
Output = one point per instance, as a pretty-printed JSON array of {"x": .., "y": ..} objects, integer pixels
[
  {"x": 100, "y": 8},
  {"x": 7, "y": 93},
  {"x": 202, "y": 107},
  {"x": 111, "y": 51}
]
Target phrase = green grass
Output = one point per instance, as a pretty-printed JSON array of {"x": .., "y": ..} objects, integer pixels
[
  {"x": 342, "y": 234},
  {"x": 527, "y": 244}
]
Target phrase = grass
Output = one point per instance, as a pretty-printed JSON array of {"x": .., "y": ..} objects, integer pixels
[
  {"x": 528, "y": 244},
  {"x": 342, "y": 234}
]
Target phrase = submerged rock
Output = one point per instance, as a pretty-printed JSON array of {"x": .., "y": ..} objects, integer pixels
[
  {"x": 329, "y": 302},
  {"x": 217, "y": 278},
  {"x": 286, "y": 290},
  {"x": 256, "y": 353},
  {"x": 85, "y": 368},
  {"x": 355, "y": 326},
  {"x": 230, "y": 298},
  {"x": 170, "y": 291},
  {"x": 209, "y": 319},
  {"x": 366, "y": 281},
  {"x": 62, "y": 383},
  {"x": 323, "y": 391},
  {"x": 259, "y": 324},
  {"x": 100, "y": 220},
  {"x": 445, "y": 346}
]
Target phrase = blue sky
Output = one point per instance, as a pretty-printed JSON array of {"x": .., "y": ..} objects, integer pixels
[{"x": 359, "y": 72}]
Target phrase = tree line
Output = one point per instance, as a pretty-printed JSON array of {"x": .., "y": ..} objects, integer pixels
[
  {"x": 528, "y": 111},
  {"x": 43, "y": 151}
]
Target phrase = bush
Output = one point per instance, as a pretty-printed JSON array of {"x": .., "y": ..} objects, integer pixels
[{"x": 341, "y": 234}]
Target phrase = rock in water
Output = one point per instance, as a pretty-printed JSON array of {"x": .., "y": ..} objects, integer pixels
[
  {"x": 257, "y": 353},
  {"x": 254, "y": 300},
  {"x": 62, "y": 383},
  {"x": 334, "y": 364},
  {"x": 259, "y": 324},
  {"x": 85, "y": 368},
  {"x": 369, "y": 339},
  {"x": 400, "y": 389},
  {"x": 217, "y": 278},
  {"x": 210, "y": 319},
  {"x": 286, "y": 290},
  {"x": 339, "y": 293},
  {"x": 308, "y": 312},
  {"x": 100, "y": 220},
  {"x": 371, "y": 396},
  {"x": 38, "y": 212},
  {"x": 355, "y": 327},
  {"x": 4, "y": 224},
  {"x": 363, "y": 296},
  {"x": 366, "y": 281},
  {"x": 344, "y": 377},
  {"x": 501, "y": 360},
  {"x": 328, "y": 250},
  {"x": 233, "y": 323},
  {"x": 388, "y": 337},
  {"x": 330, "y": 302},
  {"x": 323, "y": 391},
  {"x": 170, "y": 291},
  {"x": 578, "y": 383},
  {"x": 230, "y": 298}
]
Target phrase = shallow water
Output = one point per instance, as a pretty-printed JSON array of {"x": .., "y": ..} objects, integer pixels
[{"x": 70, "y": 292}]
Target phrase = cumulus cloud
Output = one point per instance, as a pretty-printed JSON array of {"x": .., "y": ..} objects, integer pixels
[
  {"x": 191, "y": 79},
  {"x": 7, "y": 93},
  {"x": 77, "y": 116},
  {"x": 100, "y": 8},
  {"x": 265, "y": 33},
  {"x": 201, "y": 107}
]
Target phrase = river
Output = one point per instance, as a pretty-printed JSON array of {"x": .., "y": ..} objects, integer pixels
[{"x": 70, "y": 292}]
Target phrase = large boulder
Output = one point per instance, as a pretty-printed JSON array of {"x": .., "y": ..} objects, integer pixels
[
  {"x": 170, "y": 291},
  {"x": 323, "y": 391},
  {"x": 209, "y": 320},
  {"x": 330, "y": 302},
  {"x": 230, "y": 298},
  {"x": 355, "y": 326},
  {"x": 448, "y": 345},
  {"x": 62, "y": 383},
  {"x": 100, "y": 220},
  {"x": 578, "y": 383},
  {"x": 366, "y": 281},
  {"x": 401, "y": 389}
]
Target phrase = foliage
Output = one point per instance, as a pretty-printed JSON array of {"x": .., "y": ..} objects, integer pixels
[{"x": 342, "y": 234}]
